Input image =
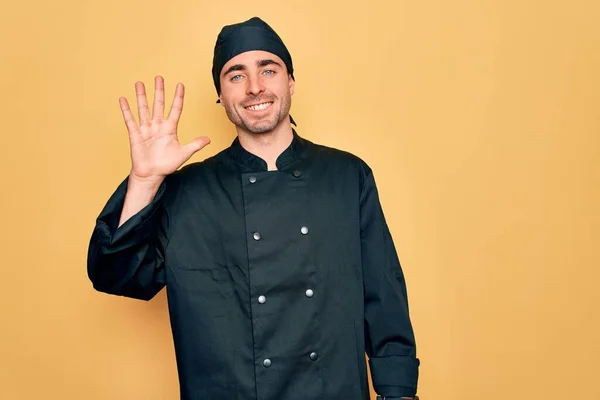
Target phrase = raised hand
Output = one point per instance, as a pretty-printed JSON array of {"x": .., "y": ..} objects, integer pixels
[{"x": 155, "y": 149}]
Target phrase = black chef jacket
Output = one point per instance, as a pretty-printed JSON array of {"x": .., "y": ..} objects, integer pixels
[{"x": 277, "y": 282}]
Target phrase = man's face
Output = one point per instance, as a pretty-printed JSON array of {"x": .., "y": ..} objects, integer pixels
[{"x": 256, "y": 91}]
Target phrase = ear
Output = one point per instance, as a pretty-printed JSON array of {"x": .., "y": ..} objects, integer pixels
[{"x": 291, "y": 84}]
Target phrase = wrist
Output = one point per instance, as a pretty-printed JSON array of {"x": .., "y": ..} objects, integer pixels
[
  {"x": 145, "y": 183},
  {"x": 140, "y": 193}
]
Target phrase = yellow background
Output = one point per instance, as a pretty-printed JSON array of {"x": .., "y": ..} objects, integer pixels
[{"x": 480, "y": 119}]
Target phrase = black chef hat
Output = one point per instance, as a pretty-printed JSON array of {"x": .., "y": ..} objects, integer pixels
[{"x": 253, "y": 34}]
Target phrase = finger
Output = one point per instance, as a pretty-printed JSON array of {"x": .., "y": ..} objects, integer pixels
[
  {"x": 143, "y": 110},
  {"x": 177, "y": 106},
  {"x": 128, "y": 116},
  {"x": 194, "y": 146},
  {"x": 158, "y": 107}
]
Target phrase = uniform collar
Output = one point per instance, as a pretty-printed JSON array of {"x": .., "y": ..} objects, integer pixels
[{"x": 249, "y": 162}]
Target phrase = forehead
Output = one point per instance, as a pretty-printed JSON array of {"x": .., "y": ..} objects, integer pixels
[{"x": 249, "y": 58}]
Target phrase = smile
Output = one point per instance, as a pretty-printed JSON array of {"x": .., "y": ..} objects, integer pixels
[{"x": 259, "y": 107}]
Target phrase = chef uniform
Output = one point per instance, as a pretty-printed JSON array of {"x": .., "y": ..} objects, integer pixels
[{"x": 278, "y": 282}]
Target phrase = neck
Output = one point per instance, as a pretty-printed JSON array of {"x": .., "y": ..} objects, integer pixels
[{"x": 268, "y": 145}]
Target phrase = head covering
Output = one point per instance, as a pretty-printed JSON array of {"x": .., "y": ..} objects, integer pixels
[{"x": 253, "y": 34}]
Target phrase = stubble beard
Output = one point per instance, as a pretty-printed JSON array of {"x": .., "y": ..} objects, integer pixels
[{"x": 263, "y": 125}]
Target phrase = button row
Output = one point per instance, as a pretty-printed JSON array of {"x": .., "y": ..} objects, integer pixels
[
  {"x": 263, "y": 299},
  {"x": 312, "y": 356},
  {"x": 257, "y": 236},
  {"x": 296, "y": 174}
]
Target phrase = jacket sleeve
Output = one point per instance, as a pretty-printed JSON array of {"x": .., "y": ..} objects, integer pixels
[
  {"x": 129, "y": 260},
  {"x": 390, "y": 341}
]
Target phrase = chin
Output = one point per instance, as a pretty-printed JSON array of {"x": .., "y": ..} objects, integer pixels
[{"x": 260, "y": 126}]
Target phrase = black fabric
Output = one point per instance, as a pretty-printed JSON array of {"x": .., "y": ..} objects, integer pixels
[{"x": 222, "y": 232}]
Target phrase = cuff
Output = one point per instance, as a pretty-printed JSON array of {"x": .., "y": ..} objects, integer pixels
[
  {"x": 395, "y": 376},
  {"x": 110, "y": 234}
]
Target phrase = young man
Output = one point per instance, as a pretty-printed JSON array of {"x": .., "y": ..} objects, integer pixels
[{"x": 279, "y": 267}]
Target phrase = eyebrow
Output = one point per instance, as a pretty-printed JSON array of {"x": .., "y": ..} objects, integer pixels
[{"x": 259, "y": 63}]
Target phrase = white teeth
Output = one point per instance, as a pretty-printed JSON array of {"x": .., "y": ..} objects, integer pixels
[{"x": 259, "y": 107}]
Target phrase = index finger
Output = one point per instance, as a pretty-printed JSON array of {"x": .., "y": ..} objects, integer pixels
[{"x": 177, "y": 106}]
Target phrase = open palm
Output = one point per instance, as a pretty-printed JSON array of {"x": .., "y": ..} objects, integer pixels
[{"x": 155, "y": 148}]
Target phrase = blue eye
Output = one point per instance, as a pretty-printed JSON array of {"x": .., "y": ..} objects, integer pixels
[
  {"x": 235, "y": 78},
  {"x": 269, "y": 70}
]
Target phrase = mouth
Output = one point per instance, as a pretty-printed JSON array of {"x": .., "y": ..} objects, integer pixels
[{"x": 259, "y": 106}]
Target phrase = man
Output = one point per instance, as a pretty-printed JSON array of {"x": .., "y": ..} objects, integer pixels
[{"x": 279, "y": 267}]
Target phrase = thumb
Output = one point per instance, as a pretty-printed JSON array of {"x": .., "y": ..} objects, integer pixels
[{"x": 194, "y": 146}]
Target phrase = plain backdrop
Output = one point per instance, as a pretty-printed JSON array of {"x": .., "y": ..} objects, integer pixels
[{"x": 480, "y": 119}]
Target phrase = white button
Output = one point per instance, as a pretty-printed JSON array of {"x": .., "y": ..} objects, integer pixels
[
  {"x": 309, "y": 293},
  {"x": 304, "y": 230},
  {"x": 267, "y": 363},
  {"x": 262, "y": 299},
  {"x": 256, "y": 236},
  {"x": 252, "y": 179}
]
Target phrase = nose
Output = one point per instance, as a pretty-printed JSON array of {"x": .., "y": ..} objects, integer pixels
[{"x": 255, "y": 85}]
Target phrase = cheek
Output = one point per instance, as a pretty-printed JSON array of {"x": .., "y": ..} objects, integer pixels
[
  {"x": 280, "y": 88},
  {"x": 232, "y": 93}
]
